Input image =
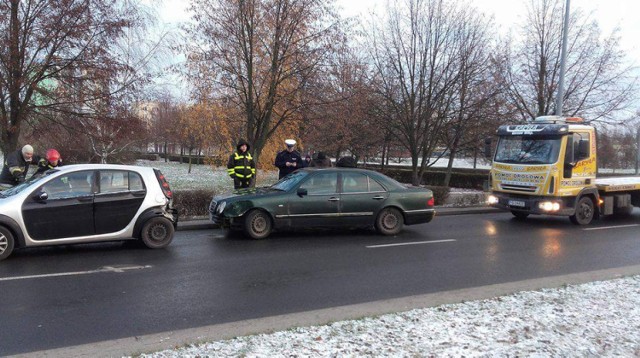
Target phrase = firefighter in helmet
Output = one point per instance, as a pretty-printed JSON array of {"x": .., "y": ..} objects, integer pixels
[
  {"x": 53, "y": 160},
  {"x": 16, "y": 166},
  {"x": 241, "y": 167}
]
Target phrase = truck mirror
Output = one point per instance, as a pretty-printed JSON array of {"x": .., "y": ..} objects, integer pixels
[
  {"x": 487, "y": 147},
  {"x": 583, "y": 150},
  {"x": 569, "y": 155}
]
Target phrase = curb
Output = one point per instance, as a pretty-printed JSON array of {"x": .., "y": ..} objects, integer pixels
[{"x": 203, "y": 223}]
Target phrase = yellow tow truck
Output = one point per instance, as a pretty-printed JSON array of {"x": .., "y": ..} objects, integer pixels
[{"x": 549, "y": 167}]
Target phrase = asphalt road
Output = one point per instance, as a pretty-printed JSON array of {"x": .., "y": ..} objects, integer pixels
[{"x": 72, "y": 295}]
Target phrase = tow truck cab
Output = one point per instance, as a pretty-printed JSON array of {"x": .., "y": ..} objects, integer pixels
[{"x": 549, "y": 167}]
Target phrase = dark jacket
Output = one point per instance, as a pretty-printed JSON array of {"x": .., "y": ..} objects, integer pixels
[
  {"x": 348, "y": 162},
  {"x": 15, "y": 168},
  {"x": 321, "y": 161},
  {"x": 241, "y": 165},
  {"x": 281, "y": 162},
  {"x": 44, "y": 165}
]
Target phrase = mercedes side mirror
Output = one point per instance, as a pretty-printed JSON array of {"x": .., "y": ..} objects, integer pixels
[{"x": 302, "y": 192}]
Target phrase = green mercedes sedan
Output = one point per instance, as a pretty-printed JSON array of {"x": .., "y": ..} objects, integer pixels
[{"x": 328, "y": 198}]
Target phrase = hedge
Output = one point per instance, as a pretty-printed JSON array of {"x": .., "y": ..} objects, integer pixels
[
  {"x": 193, "y": 202},
  {"x": 467, "y": 178}
]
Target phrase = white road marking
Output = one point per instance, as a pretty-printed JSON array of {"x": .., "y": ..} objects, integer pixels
[
  {"x": 610, "y": 227},
  {"x": 116, "y": 269},
  {"x": 409, "y": 243}
]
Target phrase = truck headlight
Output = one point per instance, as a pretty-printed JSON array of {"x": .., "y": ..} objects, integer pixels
[
  {"x": 221, "y": 207},
  {"x": 549, "y": 206},
  {"x": 492, "y": 199}
]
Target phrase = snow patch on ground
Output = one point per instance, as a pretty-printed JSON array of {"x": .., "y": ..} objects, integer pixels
[
  {"x": 589, "y": 320},
  {"x": 202, "y": 176}
]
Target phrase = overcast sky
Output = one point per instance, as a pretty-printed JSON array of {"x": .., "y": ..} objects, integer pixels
[{"x": 624, "y": 14}]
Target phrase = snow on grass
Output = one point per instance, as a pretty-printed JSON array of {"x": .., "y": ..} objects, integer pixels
[
  {"x": 589, "y": 320},
  {"x": 202, "y": 176}
]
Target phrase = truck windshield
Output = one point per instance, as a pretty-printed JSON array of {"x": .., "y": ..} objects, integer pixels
[{"x": 528, "y": 150}]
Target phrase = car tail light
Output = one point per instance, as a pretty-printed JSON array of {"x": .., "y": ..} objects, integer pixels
[
  {"x": 431, "y": 202},
  {"x": 164, "y": 184}
]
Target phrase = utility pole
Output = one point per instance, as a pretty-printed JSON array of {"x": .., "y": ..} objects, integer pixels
[
  {"x": 637, "y": 148},
  {"x": 563, "y": 60}
]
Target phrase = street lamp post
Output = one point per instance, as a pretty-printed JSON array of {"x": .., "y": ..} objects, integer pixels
[{"x": 563, "y": 60}]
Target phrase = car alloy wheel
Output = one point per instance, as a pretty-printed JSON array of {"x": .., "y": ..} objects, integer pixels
[
  {"x": 389, "y": 221},
  {"x": 257, "y": 224},
  {"x": 6, "y": 243},
  {"x": 157, "y": 232}
]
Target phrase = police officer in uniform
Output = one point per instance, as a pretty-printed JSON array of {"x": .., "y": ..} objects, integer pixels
[
  {"x": 288, "y": 160},
  {"x": 241, "y": 167}
]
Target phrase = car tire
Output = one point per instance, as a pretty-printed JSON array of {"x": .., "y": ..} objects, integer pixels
[
  {"x": 7, "y": 243},
  {"x": 520, "y": 215},
  {"x": 584, "y": 212},
  {"x": 389, "y": 222},
  {"x": 257, "y": 224},
  {"x": 157, "y": 233}
]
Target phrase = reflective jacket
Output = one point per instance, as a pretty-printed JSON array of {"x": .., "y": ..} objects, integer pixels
[{"x": 241, "y": 165}]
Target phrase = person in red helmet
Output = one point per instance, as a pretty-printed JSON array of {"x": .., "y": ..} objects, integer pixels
[{"x": 53, "y": 160}]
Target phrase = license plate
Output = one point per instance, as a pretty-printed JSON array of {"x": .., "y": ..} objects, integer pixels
[{"x": 517, "y": 203}]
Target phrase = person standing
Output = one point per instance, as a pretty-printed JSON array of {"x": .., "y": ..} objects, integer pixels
[
  {"x": 241, "y": 167},
  {"x": 288, "y": 160},
  {"x": 321, "y": 161},
  {"x": 16, "y": 166},
  {"x": 53, "y": 160}
]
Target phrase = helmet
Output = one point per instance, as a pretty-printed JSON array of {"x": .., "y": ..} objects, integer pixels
[{"x": 52, "y": 155}]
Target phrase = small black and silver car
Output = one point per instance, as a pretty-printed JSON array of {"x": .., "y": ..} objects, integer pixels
[{"x": 88, "y": 203}]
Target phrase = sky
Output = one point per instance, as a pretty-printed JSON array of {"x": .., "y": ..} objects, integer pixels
[
  {"x": 507, "y": 13},
  {"x": 623, "y": 14}
]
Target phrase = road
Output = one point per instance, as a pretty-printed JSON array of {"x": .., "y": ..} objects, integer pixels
[{"x": 72, "y": 295}]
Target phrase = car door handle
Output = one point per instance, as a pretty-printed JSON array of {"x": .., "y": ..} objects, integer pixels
[
  {"x": 334, "y": 199},
  {"x": 85, "y": 199},
  {"x": 379, "y": 197}
]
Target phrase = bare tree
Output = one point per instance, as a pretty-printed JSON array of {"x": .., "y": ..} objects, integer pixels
[
  {"x": 599, "y": 84},
  {"x": 416, "y": 50},
  {"x": 342, "y": 119},
  {"x": 262, "y": 54},
  {"x": 55, "y": 54}
]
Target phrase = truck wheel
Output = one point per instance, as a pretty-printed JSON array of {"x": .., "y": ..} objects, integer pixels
[
  {"x": 257, "y": 224},
  {"x": 521, "y": 215},
  {"x": 6, "y": 243},
  {"x": 584, "y": 212}
]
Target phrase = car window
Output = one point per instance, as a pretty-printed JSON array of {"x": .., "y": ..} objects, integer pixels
[
  {"x": 354, "y": 183},
  {"x": 70, "y": 185},
  {"x": 113, "y": 181},
  {"x": 135, "y": 182},
  {"x": 374, "y": 186},
  {"x": 321, "y": 183}
]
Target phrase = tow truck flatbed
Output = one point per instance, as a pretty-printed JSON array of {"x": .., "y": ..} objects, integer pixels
[{"x": 614, "y": 184}]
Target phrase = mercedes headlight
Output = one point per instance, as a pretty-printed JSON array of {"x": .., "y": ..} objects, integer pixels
[{"x": 221, "y": 207}]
